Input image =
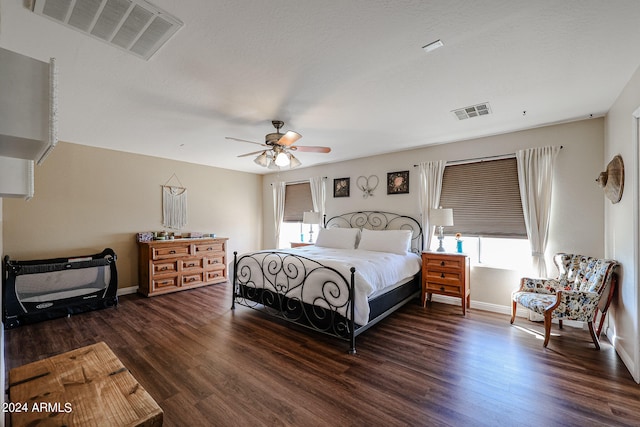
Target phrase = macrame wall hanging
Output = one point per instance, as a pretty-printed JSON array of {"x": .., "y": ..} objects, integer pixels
[{"x": 174, "y": 204}]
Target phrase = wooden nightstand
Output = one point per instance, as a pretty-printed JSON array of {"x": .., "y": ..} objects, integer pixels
[
  {"x": 446, "y": 274},
  {"x": 300, "y": 244}
]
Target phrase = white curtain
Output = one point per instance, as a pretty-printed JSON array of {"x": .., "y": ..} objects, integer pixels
[
  {"x": 318, "y": 194},
  {"x": 429, "y": 195},
  {"x": 535, "y": 176},
  {"x": 278, "y": 208}
]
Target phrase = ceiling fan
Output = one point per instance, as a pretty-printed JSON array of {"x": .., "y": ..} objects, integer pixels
[{"x": 279, "y": 148}]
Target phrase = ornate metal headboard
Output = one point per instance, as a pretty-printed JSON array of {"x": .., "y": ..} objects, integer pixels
[{"x": 378, "y": 220}]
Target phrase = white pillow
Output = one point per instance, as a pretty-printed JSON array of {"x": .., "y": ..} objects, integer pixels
[
  {"x": 394, "y": 241},
  {"x": 338, "y": 238}
]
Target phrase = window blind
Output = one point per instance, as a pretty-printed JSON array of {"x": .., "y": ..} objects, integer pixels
[
  {"x": 297, "y": 200},
  {"x": 485, "y": 197}
]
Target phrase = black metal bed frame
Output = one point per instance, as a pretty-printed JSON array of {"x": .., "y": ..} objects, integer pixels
[{"x": 274, "y": 282}]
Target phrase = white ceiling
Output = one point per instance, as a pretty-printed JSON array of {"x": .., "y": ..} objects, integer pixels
[{"x": 348, "y": 74}]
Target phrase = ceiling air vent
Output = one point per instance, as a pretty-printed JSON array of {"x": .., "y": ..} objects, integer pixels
[
  {"x": 136, "y": 26},
  {"x": 472, "y": 111}
]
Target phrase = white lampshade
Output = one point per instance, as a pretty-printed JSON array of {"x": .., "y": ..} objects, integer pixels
[
  {"x": 441, "y": 217},
  {"x": 282, "y": 159},
  {"x": 262, "y": 159},
  {"x": 294, "y": 162},
  {"x": 311, "y": 217}
]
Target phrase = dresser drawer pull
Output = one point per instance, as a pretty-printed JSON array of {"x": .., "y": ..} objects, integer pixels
[
  {"x": 442, "y": 288},
  {"x": 209, "y": 248},
  {"x": 166, "y": 282},
  {"x": 442, "y": 263},
  {"x": 191, "y": 279},
  {"x": 442, "y": 275},
  {"x": 215, "y": 261},
  {"x": 172, "y": 252},
  {"x": 165, "y": 268}
]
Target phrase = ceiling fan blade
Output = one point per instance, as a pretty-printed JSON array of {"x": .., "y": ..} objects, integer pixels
[
  {"x": 311, "y": 149},
  {"x": 289, "y": 138},
  {"x": 244, "y": 140},
  {"x": 251, "y": 154}
]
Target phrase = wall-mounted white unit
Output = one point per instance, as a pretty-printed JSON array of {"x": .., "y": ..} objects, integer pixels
[
  {"x": 16, "y": 177},
  {"x": 28, "y": 106}
]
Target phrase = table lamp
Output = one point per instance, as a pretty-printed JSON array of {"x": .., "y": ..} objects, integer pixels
[
  {"x": 441, "y": 218},
  {"x": 311, "y": 218}
]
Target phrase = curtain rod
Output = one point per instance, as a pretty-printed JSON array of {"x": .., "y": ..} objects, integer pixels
[
  {"x": 299, "y": 182},
  {"x": 481, "y": 159}
]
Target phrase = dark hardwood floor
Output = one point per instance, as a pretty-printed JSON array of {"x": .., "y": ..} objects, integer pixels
[{"x": 207, "y": 365}]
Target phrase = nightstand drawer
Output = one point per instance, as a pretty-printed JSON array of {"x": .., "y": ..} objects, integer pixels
[
  {"x": 443, "y": 276},
  {"x": 453, "y": 263},
  {"x": 443, "y": 287}
]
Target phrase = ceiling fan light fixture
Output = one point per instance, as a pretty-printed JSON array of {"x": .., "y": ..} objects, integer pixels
[
  {"x": 282, "y": 159},
  {"x": 294, "y": 161},
  {"x": 262, "y": 159}
]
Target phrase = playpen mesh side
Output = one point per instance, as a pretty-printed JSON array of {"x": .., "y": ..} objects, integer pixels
[{"x": 48, "y": 282}]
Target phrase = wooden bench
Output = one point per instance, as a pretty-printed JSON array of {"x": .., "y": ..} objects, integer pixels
[{"x": 88, "y": 386}]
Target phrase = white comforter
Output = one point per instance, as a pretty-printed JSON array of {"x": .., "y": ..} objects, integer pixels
[{"x": 374, "y": 272}]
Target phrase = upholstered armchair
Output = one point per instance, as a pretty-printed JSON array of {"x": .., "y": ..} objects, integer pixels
[{"x": 583, "y": 288}]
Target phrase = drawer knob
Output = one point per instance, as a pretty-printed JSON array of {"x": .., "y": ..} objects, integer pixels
[
  {"x": 442, "y": 275},
  {"x": 172, "y": 252},
  {"x": 215, "y": 261},
  {"x": 209, "y": 249},
  {"x": 442, "y": 263},
  {"x": 442, "y": 288},
  {"x": 164, "y": 268}
]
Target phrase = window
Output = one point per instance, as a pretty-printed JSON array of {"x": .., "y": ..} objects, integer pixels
[
  {"x": 487, "y": 211},
  {"x": 297, "y": 200}
]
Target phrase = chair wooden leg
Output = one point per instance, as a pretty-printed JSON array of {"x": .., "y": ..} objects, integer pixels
[
  {"x": 560, "y": 323},
  {"x": 514, "y": 307},
  {"x": 547, "y": 328},
  {"x": 595, "y": 339}
]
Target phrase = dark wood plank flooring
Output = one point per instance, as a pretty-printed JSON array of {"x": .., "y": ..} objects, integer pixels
[{"x": 208, "y": 365}]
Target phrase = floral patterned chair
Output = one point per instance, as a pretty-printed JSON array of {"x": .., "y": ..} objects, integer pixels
[{"x": 577, "y": 293}]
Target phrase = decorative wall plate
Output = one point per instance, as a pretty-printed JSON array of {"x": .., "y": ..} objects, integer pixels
[{"x": 612, "y": 180}]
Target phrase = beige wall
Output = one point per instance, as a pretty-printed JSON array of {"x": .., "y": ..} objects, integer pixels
[
  {"x": 577, "y": 223},
  {"x": 621, "y": 236},
  {"x": 87, "y": 199}
]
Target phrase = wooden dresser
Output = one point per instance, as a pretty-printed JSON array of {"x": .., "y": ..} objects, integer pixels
[
  {"x": 446, "y": 274},
  {"x": 173, "y": 265}
]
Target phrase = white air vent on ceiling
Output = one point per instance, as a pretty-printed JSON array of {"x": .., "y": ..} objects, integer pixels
[
  {"x": 473, "y": 111},
  {"x": 136, "y": 26}
]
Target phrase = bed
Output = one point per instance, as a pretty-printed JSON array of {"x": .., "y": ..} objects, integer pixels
[{"x": 364, "y": 266}]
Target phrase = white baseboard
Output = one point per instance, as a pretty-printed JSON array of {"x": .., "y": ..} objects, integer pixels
[
  {"x": 127, "y": 291},
  {"x": 496, "y": 308}
]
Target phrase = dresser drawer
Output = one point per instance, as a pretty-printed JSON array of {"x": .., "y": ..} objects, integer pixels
[
  {"x": 166, "y": 267},
  {"x": 163, "y": 252},
  {"x": 209, "y": 247},
  {"x": 192, "y": 263},
  {"x": 166, "y": 283},
  {"x": 216, "y": 275},
  {"x": 214, "y": 262},
  {"x": 192, "y": 279}
]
